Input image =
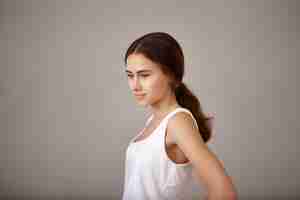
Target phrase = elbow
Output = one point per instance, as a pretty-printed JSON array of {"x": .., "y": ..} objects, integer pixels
[
  {"x": 222, "y": 195},
  {"x": 225, "y": 191},
  {"x": 232, "y": 192},
  {"x": 229, "y": 190},
  {"x": 231, "y": 195}
]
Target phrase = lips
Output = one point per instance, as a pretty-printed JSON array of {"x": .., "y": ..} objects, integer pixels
[{"x": 139, "y": 95}]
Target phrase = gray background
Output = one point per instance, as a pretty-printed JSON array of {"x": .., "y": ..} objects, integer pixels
[{"x": 67, "y": 114}]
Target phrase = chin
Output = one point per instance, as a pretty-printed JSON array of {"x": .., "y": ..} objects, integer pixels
[{"x": 141, "y": 103}]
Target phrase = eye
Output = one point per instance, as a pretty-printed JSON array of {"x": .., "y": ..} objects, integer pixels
[
  {"x": 145, "y": 75},
  {"x": 129, "y": 75}
]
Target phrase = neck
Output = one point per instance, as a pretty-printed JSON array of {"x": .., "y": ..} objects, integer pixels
[{"x": 163, "y": 107}]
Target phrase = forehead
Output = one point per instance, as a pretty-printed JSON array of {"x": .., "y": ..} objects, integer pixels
[{"x": 138, "y": 62}]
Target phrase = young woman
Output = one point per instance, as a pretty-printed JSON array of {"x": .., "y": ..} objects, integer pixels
[{"x": 171, "y": 149}]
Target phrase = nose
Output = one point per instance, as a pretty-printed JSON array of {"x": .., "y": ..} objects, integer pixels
[{"x": 136, "y": 84}]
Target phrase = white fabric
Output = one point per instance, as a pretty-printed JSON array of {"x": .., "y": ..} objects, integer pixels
[{"x": 149, "y": 173}]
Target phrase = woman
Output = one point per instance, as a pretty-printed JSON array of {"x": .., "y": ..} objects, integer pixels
[{"x": 170, "y": 150}]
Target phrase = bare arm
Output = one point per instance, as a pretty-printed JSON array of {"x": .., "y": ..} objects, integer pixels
[{"x": 206, "y": 166}]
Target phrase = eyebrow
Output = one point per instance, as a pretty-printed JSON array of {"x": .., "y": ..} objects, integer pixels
[{"x": 140, "y": 71}]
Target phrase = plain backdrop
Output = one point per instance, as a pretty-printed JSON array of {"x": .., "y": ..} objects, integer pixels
[{"x": 67, "y": 114}]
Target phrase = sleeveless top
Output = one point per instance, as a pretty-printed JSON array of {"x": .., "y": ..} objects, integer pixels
[{"x": 149, "y": 173}]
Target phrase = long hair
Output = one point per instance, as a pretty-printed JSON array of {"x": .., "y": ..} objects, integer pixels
[{"x": 163, "y": 49}]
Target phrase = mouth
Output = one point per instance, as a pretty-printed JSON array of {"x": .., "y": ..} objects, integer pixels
[{"x": 139, "y": 95}]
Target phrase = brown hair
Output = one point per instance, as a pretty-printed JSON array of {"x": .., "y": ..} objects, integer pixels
[{"x": 163, "y": 49}]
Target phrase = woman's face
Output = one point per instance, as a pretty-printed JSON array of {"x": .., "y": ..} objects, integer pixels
[{"x": 146, "y": 80}]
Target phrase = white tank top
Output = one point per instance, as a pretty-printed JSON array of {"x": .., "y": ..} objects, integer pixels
[{"x": 149, "y": 173}]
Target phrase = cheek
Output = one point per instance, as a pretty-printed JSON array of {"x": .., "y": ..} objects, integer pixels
[{"x": 158, "y": 87}]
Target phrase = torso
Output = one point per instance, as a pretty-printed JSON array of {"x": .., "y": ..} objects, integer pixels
[{"x": 172, "y": 149}]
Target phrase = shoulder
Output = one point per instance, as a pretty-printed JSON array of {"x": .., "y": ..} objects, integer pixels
[
  {"x": 183, "y": 117},
  {"x": 182, "y": 125}
]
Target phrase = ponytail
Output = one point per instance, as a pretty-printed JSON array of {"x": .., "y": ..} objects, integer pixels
[{"x": 188, "y": 100}]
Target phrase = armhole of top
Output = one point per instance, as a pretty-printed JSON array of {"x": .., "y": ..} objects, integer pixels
[{"x": 188, "y": 163}]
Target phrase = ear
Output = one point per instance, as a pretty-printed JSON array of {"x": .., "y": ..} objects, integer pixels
[{"x": 173, "y": 82}]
